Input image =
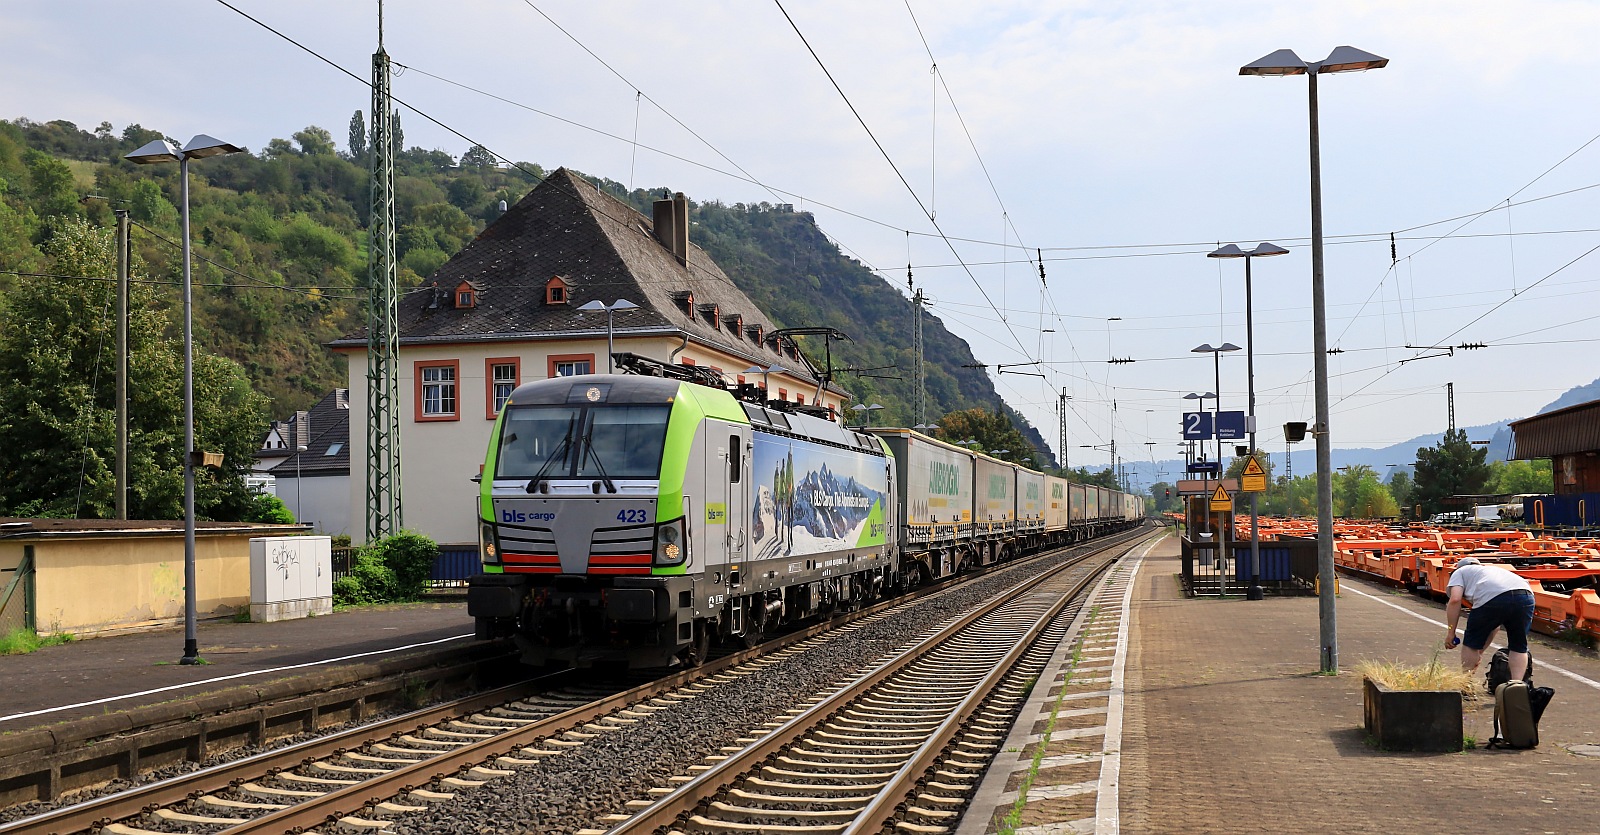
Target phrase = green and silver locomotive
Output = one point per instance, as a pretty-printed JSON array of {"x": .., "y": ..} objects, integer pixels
[{"x": 633, "y": 520}]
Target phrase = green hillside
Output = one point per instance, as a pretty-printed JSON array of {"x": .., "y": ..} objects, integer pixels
[{"x": 282, "y": 234}]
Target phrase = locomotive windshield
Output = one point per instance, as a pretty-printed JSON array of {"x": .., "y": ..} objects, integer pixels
[{"x": 600, "y": 441}]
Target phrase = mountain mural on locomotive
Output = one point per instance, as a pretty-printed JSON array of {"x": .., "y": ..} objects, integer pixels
[{"x": 813, "y": 499}]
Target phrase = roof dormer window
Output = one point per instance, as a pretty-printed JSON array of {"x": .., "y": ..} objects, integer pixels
[
  {"x": 734, "y": 323},
  {"x": 555, "y": 291},
  {"x": 466, "y": 296},
  {"x": 712, "y": 314},
  {"x": 685, "y": 301},
  {"x": 754, "y": 333}
]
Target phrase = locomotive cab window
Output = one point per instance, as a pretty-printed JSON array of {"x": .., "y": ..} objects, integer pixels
[{"x": 602, "y": 441}]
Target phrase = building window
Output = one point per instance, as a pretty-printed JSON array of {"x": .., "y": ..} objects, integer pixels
[
  {"x": 555, "y": 291},
  {"x": 333, "y": 448},
  {"x": 783, "y": 394},
  {"x": 436, "y": 390},
  {"x": 502, "y": 375},
  {"x": 571, "y": 365}
]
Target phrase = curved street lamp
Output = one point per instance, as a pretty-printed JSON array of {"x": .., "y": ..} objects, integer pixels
[
  {"x": 611, "y": 310},
  {"x": 154, "y": 153},
  {"x": 1261, "y": 250},
  {"x": 1285, "y": 62}
]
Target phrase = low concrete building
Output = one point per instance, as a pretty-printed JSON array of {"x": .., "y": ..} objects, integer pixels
[{"x": 93, "y": 576}]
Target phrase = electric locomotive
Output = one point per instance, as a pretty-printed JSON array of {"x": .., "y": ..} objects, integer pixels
[{"x": 631, "y": 520}]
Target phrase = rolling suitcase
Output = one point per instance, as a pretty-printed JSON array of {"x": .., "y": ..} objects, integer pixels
[{"x": 1514, "y": 722}]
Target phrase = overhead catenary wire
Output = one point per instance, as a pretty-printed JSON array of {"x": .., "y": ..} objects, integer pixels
[{"x": 879, "y": 145}]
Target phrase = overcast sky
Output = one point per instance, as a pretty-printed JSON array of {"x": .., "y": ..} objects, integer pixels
[{"x": 1119, "y": 139}]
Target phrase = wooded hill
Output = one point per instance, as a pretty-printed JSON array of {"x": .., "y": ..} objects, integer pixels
[{"x": 280, "y": 244}]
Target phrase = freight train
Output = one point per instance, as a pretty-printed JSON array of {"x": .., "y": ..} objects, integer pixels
[{"x": 635, "y": 519}]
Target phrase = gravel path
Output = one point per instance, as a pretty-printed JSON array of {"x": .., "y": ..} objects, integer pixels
[{"x": 572, "y": 791}]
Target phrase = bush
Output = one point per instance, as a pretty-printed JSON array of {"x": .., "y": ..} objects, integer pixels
[
  {"x": 269, "y": 509},
  {"x": 391, "y": 570}
]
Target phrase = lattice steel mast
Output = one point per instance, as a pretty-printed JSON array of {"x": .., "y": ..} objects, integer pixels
[
  {"x": 383, "y": 326},
  {"x": 918, "y": 377}
]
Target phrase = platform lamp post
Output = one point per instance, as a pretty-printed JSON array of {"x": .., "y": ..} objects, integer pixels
[
  {"x": 771, "y": 369},
  {"x": 162, "y": 151},
  {"x": 865, "y": 412},
  {"x": 299, "y": 486},
  {"x": 1285, "y": 62},
  {"x": 1262, "y": 250},
  {"x": 611, "y": 311}
]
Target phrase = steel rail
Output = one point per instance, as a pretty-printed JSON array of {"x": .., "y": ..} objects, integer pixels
[
  {"x": 902, "y": 786},
  {"x": 342, "y": 802},
  {"x": 690, "y": 794}
]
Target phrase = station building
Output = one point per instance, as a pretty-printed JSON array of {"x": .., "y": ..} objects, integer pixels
[
  {"x": 1570, "y": 438},
  {"x": 504, "y": 311}
]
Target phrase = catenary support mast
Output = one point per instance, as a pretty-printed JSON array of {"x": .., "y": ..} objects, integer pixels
[{"x": 383, "y": 327}]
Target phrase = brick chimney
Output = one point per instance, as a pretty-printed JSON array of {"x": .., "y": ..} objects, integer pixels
[{"x": 672, "y": 226}]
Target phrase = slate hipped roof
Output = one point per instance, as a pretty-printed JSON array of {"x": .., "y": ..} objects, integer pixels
[
  {"x": 603, "y": 250},
  {"x": 329, "y": 424}
]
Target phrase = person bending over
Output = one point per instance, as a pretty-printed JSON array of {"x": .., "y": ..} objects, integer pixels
[{"x": 1499, "y": 598}]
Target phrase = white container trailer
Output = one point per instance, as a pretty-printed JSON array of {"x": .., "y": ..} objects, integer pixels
[
  {"x": 936, "y": 478},
  {"x": 994, "y": 499},
  {"x": 1031, "y": 501},
  {"x": 1058, "y": 507},
  {"x": 1080, "y": 504}
]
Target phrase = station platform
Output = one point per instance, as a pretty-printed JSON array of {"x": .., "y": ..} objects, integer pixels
[
  {"x": 98, "y": 676},
  {"x": 1168, "y": 714}
]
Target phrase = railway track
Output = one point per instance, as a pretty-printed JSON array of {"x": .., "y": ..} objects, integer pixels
[
  {"x": 360, "y": 779},
  {"x": 903, "y": 746}
]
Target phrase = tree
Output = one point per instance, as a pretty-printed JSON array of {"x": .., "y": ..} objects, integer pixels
[
  {"x": 1239, "y": 462},
  {"x": 478, "y": 157},
  {"x": 358, "y": 136},
  {"x": 1400, "y": 486},
  {"x": 57, "y": 435},
  {"x": 314, "y": 140},
  {"x": 50, "y": 186},
  {"x": 1451, "y": 467},
  {"x": 1160, "y": 494},
  {"x": 991, "y": 430},
  {"x": 1358, "y": 494},
  {"x": 397, "y": 137},
  {"x": 1514, "y": 477}
]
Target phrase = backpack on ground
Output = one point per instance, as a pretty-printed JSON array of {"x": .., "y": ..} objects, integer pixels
[
  {"x": 1500, "y": 670},
  {"x": 1516, "y": 725}
]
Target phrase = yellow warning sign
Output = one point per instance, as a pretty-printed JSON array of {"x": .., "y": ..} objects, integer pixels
[
  {"x": 1253, "y": 479},
  {"x": 1221, "y": 502}
]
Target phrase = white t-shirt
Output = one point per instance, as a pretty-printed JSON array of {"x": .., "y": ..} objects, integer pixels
[{"x": 1482, "y": 583}]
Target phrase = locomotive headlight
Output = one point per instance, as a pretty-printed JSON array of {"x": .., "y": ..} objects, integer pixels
[
  {"x": 669, "y": 543},
  {"x": 488, "y": 544}
]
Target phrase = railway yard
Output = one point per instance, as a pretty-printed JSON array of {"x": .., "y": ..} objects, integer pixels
[{"x": 1069, "y": 692}]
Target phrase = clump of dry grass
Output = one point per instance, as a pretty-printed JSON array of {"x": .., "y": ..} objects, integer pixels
[{"x": 1434, "y": 675}]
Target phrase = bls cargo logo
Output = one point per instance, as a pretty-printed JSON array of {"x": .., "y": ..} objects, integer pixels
[{"x": 509, "y": 515}]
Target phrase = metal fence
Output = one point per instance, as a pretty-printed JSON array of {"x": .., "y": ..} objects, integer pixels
[
  {"x": 451, "y": 568},
  {"x": 1288, "y": 567},
  {"x": 17, "y": 596}
]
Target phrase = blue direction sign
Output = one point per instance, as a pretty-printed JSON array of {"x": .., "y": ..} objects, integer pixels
[
  {"x": 1230, "y": 426},
  {"x": 1204, "y": 467},
  {"x": 1197, "y": 426}
]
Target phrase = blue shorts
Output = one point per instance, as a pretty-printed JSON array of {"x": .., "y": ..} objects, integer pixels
[{"x": 1511, "y": 609}]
